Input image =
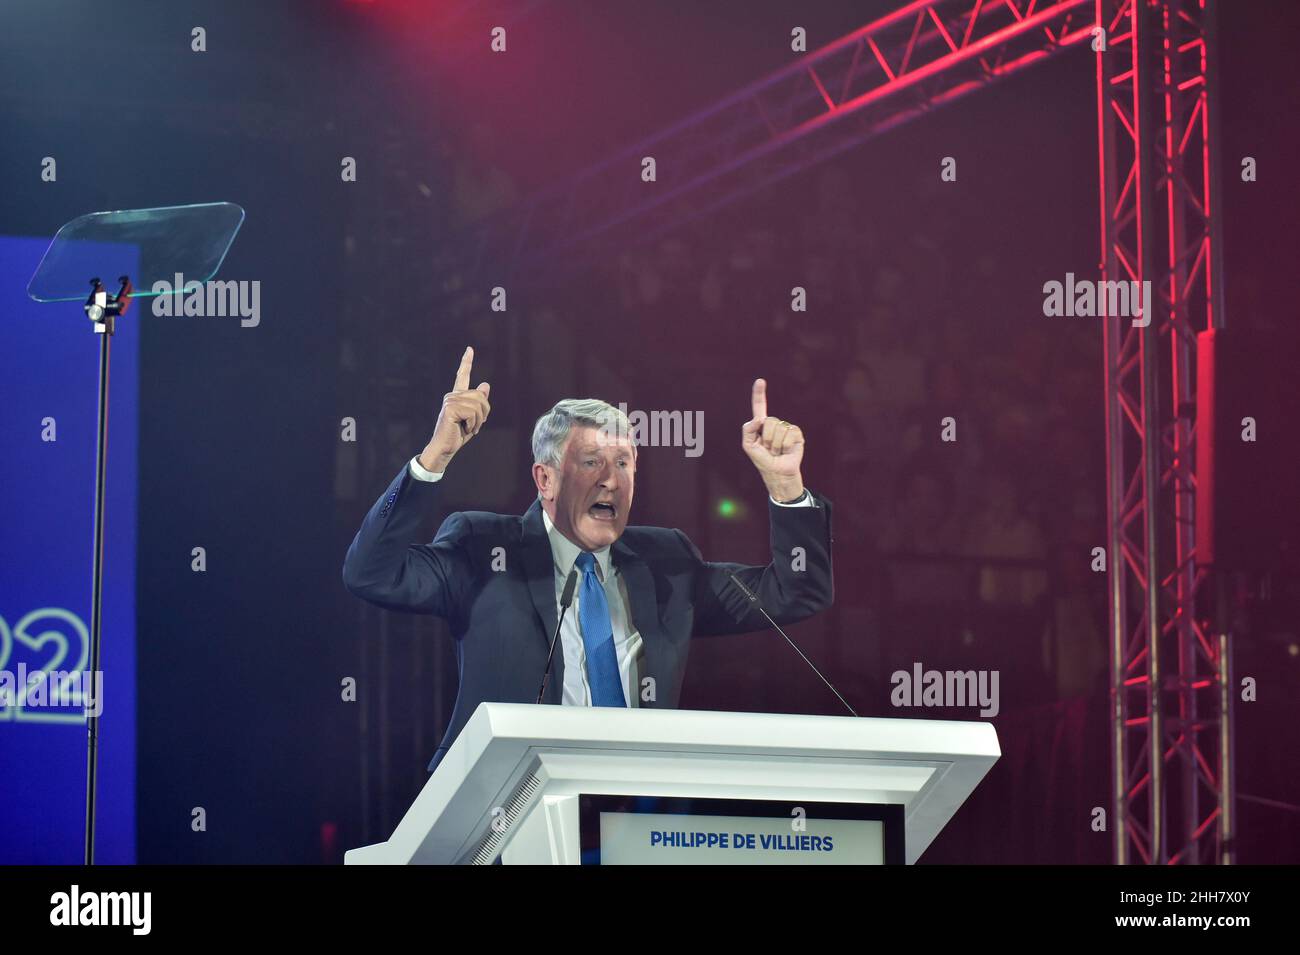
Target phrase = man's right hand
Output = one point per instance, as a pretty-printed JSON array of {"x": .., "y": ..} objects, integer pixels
[{"x": 464, "y": 409}]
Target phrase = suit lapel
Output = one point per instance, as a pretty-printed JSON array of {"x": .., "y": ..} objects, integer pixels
[
  {"x": 539, "y": 568},
  {"x": 645, "y": 607}
]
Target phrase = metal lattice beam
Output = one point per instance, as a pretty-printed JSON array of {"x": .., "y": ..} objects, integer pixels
[{"x": 1171, "y": 752}]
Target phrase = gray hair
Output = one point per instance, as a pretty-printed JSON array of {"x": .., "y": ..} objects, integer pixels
[{"x": 552, "y": 429}]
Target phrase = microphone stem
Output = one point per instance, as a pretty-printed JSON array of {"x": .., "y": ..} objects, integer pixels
[{"x": 811, "y": 665}]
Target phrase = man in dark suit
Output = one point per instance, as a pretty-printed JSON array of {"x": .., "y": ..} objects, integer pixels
[{"x": 641, "y": 592}]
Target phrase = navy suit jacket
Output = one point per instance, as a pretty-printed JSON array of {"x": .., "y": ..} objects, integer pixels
[{"x": 492, "y": 578}]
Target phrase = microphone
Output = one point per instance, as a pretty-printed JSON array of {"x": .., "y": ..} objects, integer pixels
[
  {"x": 566, "y": 598},
  {"x": 753, "y": 598}
]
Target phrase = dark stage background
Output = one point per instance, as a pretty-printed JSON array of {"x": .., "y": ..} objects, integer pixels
[{"x": 927, "y": 302}]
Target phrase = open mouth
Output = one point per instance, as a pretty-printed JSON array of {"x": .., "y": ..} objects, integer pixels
[{"x": 603, "y": 511}]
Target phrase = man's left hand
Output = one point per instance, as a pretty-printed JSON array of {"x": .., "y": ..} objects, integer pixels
[{"x": 775, "y": 447}]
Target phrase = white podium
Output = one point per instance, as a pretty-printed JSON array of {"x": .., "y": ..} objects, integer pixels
[{"x": 547, "y": 784}]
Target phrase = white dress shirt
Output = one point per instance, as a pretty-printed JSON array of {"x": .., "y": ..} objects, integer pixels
[{"x": 627, "y": 641}]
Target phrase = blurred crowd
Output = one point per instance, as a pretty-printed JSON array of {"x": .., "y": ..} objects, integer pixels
[{"x": 966, "y": 439}]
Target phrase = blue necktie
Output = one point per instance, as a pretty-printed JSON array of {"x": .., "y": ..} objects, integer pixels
[{"x": 598, "y": 638}]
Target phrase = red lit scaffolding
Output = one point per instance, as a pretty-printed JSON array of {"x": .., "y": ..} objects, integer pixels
[{"x": 1171, "y": 739}]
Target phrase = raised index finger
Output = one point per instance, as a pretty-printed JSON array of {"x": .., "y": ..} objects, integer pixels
[
  {"x": 462, "y": 373},
  {"x": 758, "y": 398}
]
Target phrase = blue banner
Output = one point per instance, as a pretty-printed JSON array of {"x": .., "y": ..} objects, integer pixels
[{"x": 49, "y": 358}]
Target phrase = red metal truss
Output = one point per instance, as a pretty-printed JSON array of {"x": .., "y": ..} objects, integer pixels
[
  {"x": 903, "y": 65},
  {"x": 1171, "y": 732}
]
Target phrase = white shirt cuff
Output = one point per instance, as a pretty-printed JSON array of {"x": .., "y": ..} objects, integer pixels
[
  {"x": 421, "y": 473},
  {"x": 805, "y": 501}
]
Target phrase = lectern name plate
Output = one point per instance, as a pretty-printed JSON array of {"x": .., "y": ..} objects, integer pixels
[{"x": 647, "y": 830}]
